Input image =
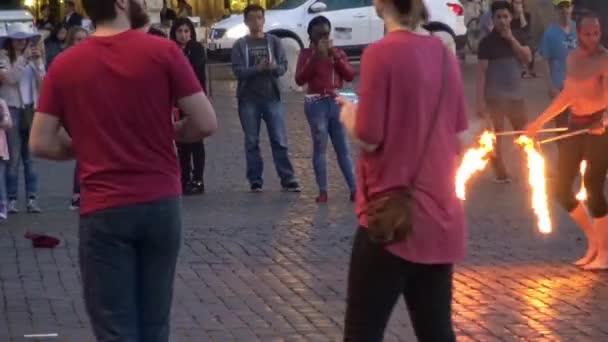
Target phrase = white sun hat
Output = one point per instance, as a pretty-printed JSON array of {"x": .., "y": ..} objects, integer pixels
[{"x": 20, "y": 30}]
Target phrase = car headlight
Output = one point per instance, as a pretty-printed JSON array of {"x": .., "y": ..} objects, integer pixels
[{"x": 238, "y": 31}]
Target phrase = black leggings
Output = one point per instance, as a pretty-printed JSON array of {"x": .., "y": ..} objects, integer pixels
[
  {"x": 377, "y": 278},
  {"x": 192, "y": 161},
  {"x": 572, "y": 151}
]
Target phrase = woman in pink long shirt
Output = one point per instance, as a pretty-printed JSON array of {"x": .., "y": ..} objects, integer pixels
[{"x": 405, "y": 77}]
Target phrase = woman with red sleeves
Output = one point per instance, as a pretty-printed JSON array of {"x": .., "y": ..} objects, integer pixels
[{"x": 323, "y": 69}]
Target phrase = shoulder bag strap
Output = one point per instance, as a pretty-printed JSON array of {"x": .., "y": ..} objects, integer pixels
[{"x": 429, "y": 134}]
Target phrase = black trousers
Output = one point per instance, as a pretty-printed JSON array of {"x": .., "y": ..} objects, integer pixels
[
  {"x": 377, "y": 279},
  {"x": 192, "y": 161},
  {"x": 572, "y": 151}
]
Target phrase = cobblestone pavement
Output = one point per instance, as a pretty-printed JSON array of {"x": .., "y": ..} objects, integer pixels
[{"x": 272, "y": 266}]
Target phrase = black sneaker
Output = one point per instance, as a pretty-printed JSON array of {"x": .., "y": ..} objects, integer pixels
[
  {"x": 198, "y": 188},
  {"x": 256, "y": 188},
  {"x": 292, "y": 186},
  {"x": 187, "y": 188},
  {"x": 75, "y": 205}
]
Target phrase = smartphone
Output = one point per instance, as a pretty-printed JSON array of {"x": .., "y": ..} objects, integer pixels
[{"x": 348, "y": 94}]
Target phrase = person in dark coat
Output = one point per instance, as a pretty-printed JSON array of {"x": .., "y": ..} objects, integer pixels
[
  {"x": 192, "y": 155},
  {"x": 55, "y": 43},
  {"x": 72, "y": 18}
]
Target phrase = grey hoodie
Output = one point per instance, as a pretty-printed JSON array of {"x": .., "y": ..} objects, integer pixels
[{"x": 243, "y": 70}]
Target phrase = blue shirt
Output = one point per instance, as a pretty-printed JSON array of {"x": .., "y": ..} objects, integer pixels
[{"x": 555, "y": 47}]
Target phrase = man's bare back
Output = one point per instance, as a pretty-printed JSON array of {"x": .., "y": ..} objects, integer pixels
[{"x": 587, "y": 82}]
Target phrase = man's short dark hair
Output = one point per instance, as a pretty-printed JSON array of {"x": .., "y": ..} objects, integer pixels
[
  {"x": 501, "y": 5},
  {"x": 586, "y": 14},
  {"x": 253, "y": 8},
  {"x": 100, "y": 10},
  {"x": 44, "y": 7},
  {"x": 71, "y": 3}
]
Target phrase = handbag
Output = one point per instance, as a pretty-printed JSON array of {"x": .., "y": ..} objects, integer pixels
[{"x": 390, "y": 215}]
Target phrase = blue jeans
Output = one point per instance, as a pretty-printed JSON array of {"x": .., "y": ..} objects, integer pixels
[
  {"x": 324, "y": 119},
  {"x": 251, "y": 114},
  {"x": 128, "y": 257},
  {"x": 18, "y": 139},
  {"x": 76, "y": 181},
  {"x": 3, "y": 195}
]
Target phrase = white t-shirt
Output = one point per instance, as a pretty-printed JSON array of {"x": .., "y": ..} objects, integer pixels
[{"x": 26, "y": 86}]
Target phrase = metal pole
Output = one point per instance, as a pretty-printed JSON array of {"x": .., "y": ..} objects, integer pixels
[
  {"x": 565, "y": 136},
  {"x": 573, "y": 134},
  {"x": 548, "y": 130}
]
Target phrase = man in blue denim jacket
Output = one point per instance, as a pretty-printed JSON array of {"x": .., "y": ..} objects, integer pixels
[{"x": 258, "y": 60}]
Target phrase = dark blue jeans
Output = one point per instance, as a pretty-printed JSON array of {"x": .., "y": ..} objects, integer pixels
[
  {"x": 76, "y": 181},
  {"x": 19, "y": 152},
  {"x": 376, "y": 280},
  {"x": 128, "y": 257},
  {"x": 324, "y": 119},
  {"x": 252, "y": 113}
]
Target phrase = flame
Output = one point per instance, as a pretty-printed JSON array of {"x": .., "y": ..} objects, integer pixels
[
  {"x": 474, "y": 160},
  {"x": 582, "y": 193},
  {"x": 536, "y": 166}
]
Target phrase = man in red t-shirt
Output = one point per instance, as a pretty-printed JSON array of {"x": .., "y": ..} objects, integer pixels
[{"x": 107, "y": 102}]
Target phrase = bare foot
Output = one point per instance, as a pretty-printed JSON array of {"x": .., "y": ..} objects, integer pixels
[
  {"x": 600, "y": 263},
  {"x": 588, "y": 258}
]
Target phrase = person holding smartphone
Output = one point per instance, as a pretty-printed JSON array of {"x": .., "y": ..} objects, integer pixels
[
  {"x": 324, "y": 69},
  {"x": 20, "y": 85}
]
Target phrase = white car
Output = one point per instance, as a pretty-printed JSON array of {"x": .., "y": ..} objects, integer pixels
[
  {"x": 355, "y": 25},
  {"x": 9, "y": 17}
]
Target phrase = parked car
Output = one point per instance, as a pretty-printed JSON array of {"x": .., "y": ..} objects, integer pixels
[{"x": 355, "y": 25}]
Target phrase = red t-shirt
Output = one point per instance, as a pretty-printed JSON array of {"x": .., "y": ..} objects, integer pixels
[
  {"x": 115, "y": 96},
  {"x": 401, "y": 78}
]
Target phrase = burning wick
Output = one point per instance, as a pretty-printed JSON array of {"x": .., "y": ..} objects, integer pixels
[
  {"x": 536, "y": 166},
  {"x": 582, "y": 193},
  {"x": 474, "y": 160}
]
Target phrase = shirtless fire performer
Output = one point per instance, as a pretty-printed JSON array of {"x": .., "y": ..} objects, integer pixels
[{"x": 585, "y": 93}]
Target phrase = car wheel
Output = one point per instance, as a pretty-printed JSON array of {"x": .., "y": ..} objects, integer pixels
[
  {"x": 292, "y": 50},
  {"x": 473, "y": 35}
]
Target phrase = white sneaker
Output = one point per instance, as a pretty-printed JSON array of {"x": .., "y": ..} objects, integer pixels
[
  {"x": 32, "y": 206},
  {"x": 13, "y": 207}
]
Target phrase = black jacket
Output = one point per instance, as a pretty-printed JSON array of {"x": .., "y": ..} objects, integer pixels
[
  {"x": 75, "y": 20},
  {"x": 195, "y": 52}
]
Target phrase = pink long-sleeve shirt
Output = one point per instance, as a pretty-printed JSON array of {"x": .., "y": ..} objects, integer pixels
[{"x": 400, "y": 87}]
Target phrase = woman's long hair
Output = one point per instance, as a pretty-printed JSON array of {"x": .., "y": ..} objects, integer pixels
[
  {"x": 70, "y": 39},
  {"x": 12, "y": 54},
  {"x": 181, "y": 22}
]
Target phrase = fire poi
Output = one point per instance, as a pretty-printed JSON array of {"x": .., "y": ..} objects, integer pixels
[
  {"x": 582, "y": 193},
  {"x": 536, "y": 179},
  {"x": 474, "y": 160}
]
